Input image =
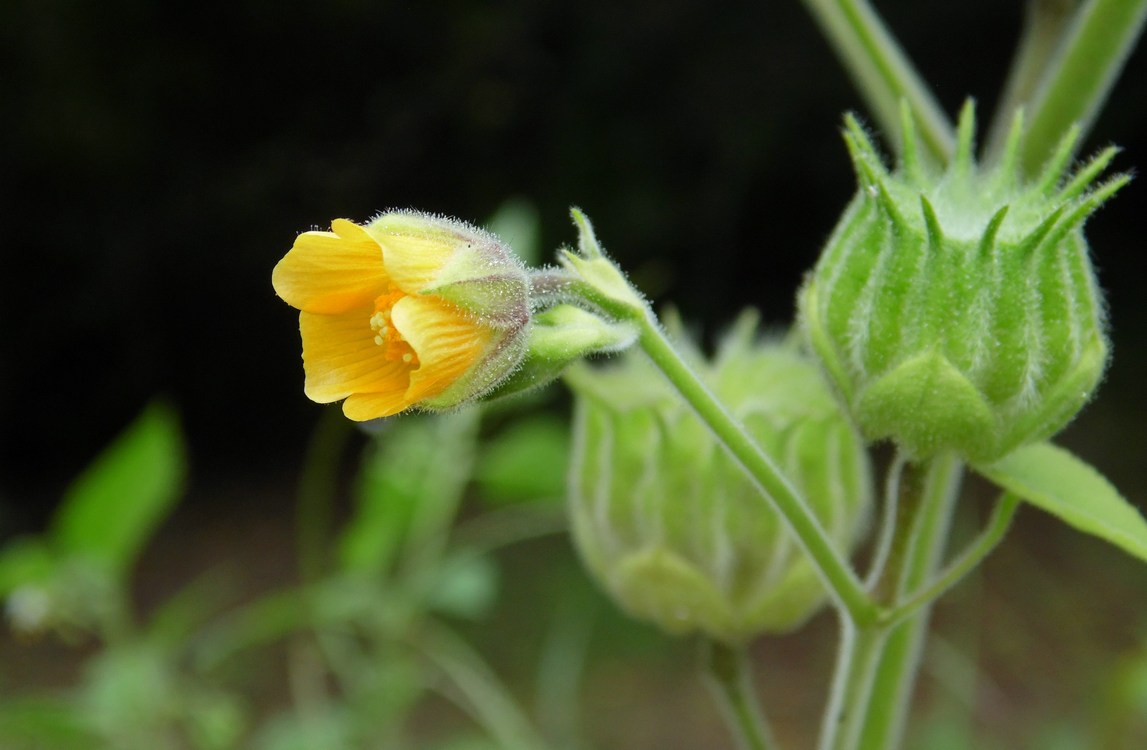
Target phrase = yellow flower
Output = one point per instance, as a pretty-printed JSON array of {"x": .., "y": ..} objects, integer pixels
[{"x": 409, "y": 310}]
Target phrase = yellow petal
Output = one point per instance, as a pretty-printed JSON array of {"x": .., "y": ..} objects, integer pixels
[
  {"x": 349, "y": 231},
  {"x": 413, "y": 261},
  {"x": 340, "y": 358},
  {"x": 363, "y": 406},
  {"x": 331, "y": 272},
  {"x": 447, "y": 343}
]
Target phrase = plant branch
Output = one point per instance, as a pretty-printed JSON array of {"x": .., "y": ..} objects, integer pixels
[
  {"x": 728, "y": 678},
  {"x": 882, "y": 72},
  {"x": 877, "y": 664},
  {"x": 1044, "y": 22},
  {"x": 900, "y": 656},
  {"x": 972, "y": 556},
  {"x": 1079, "y": 77},
  {"x": 838, "y": 576}
]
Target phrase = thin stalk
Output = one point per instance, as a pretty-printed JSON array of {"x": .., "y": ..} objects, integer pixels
[
  {"x": 1044, "y": 22},
  {"x": 728, "y": 678},
  {"x": 476, "y": 689},
  {"x": 876, "y": 668},
  {"x": 839, "y": 578},
  {"x": 863, "y": 645},
  {"x": 888, "y": 514},
  {"x": 1080, "y": 76},
  {"x": 882, "y": 72},
  {"x": 317, "y": 485},
  {"x": 858, "y": 660},
  {"x": 969, "y": 559},
  {"x": 895, "y": 674},
  {"x": 906, "y": 498}
]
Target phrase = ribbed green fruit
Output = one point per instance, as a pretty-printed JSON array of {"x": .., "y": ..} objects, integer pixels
[
  {"x": 960, "y": 311},
  {"x": 672, "y": 527}
]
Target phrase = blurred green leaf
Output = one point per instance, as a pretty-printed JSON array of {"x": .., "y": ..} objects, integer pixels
[
  {"x": 130, "y": 695},
  {"x": 1056, "y": 481},
  {"x": 1063, "y": 734},
  {"x": 263, "y": 621},
  {"x": 409, "y": 488},
  {"x": 42, "y": 723},
  {"x": 516, "y": 221},
  {"x": 213, "y": 720},
  {"x": 24, "y": 562},
  {"x": 527, "y": 461},
  {"x": 945, "y": 730},
  {"x": 1122, "y": 705},
  {"x": 328, "y": 729},
  {"x": 467, "y": 742},
  {"x": 180, "y": 616},
  {"x": 477, "y": 690},
  {"x": 113, "y": 507},
  {"x": 464, "y": 585}
]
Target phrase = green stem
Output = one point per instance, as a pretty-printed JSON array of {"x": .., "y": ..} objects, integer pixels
[
  {"x": 877, "y": 665},
  {"x": 972, "y": 556},
  {"x": 882, "y": 72},
  {"x": 838, "y": 576},
  {"x": 1081, "y": 74},
  {"x": 317, "y": 486},
  {"x": 476, "y": 689},
  {"x": 888, "y": 513},
  {"x": 727, "y": 673},
  {"x": 899, "y": 660},
  {"x": 906, "y": 496},
  {"x": 1044, "y": 22},
  {"x": 857, "y": 662}
]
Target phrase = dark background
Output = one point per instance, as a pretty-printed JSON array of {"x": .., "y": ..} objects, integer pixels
[{"x": 156, "y": 159}]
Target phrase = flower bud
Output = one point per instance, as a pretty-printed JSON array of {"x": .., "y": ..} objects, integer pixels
[
  {"x": 409, "y": 310},
  {"x": 960, "y": 311},
  {"x": 672, "y": 526},
  {"x": 558, "y": 337}
]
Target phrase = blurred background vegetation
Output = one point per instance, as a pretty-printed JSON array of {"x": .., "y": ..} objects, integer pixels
[{"x": 158, "y": 158}]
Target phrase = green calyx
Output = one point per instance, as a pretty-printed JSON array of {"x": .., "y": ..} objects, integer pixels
[
  {"x": 670, "y": 525},
  {"x": 959, "y": 310},
  {"x": 557, "y": 338}
]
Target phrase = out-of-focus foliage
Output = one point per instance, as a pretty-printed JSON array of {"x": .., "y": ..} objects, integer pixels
[{"x": 368, "y": 639}]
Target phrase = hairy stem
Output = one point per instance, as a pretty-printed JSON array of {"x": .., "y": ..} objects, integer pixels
[
  {"x": 969, "y": 559},
  {"x": 839, "y": 578},
  {"x": 882, "y": 72},
  {"x": 877, "y": 665},
  {"x": 727, "y": 675},
  {"x": 1044, "y": 22},
  {"x": 1080, "y": 75},
  {"x": 895, "y": 674}
]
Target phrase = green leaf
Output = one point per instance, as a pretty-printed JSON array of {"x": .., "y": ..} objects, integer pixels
[
  {"x": 1056, "y": 481},
  {"x": 525, "y": 462},
  {"x": 517, "y": 222},
  {"x": 269, "y": 618},
  {"x": 409, "y": 488},
  {"x": 112, "y": 508},
  {"x": 25, "y": 561},
  {"x": 464, "y": 585},
  {"x": 33, "y": 722}
]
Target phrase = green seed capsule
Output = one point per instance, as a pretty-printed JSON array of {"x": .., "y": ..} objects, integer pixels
[
  {"x": 672, "y": 527},
  {"x": 960, "y": 311}
]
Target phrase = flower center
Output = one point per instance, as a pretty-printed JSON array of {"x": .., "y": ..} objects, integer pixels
[{"x": 386, "y": 335}]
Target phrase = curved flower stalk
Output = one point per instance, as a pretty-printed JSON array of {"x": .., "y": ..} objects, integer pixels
[{"x": 410, "y": 310}]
